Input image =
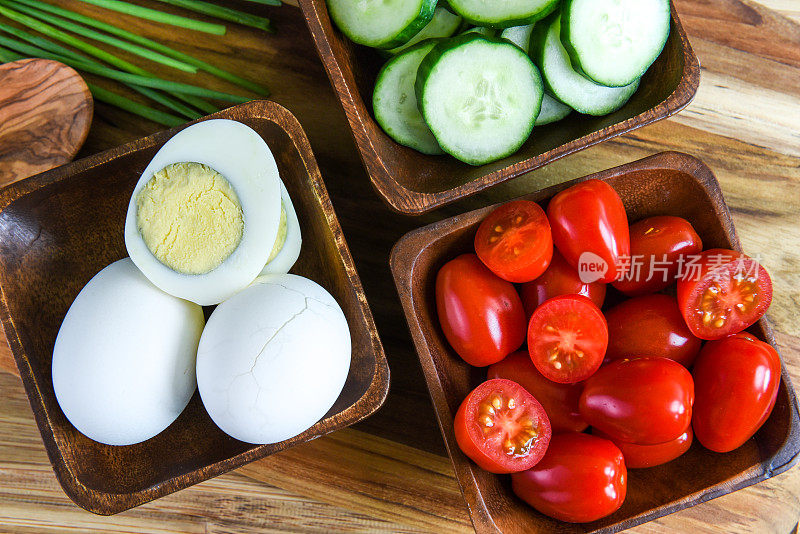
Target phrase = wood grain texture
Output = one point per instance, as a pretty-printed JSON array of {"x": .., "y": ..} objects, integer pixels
[
  {"x": 45, "y": 115},
  {"x": 758, "y": 180}
]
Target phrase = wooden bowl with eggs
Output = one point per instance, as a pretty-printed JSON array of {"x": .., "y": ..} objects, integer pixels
[{"x": 59, "y": 228}]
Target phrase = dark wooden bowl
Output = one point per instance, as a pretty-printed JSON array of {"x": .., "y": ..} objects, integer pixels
[
  {"x": 413, "y": 183},
  {"x": 59, "y": 228},
  {"x": 669, "y": 183}
]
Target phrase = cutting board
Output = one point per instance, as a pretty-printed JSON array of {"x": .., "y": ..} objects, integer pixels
[{"x": 390, "y": 473}]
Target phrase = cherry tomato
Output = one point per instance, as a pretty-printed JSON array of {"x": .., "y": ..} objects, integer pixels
[
  {"x": 514, "y": 241},
  {"x": 638, "y": 456},
  {"x": 644, "y": 401},
  {"x": 580, "y": 479},
  {"x": 590, "y": 218},
  {"x": 651, "y": 325},
  {"x": 737, "y": 383},
  {"x": 481, "y": 314},
  {"x": 560, "y": 278},
  {"x": 567, "y": 338},
  {"x": 502, "y": 427},
  {"x": 560, "y": 401},
  {"x": 657, "y": 243},
  {"x": 723, "y": 293}
]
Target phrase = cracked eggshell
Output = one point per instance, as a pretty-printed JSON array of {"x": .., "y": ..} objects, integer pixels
[
  {"x": 273, "y": 359},
  {"x": 123, "y": 361},
  {"x": 238, "y": 153},
  {"x": 286, "y": 258}
]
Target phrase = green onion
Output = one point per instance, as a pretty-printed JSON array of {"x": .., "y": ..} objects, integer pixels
[
  {"x": 158, "y": 16},
  {"x": 97, "y": 36},
  {"x": 7, "y": 56},
  {"x": 109, "y": 97},
  {"x": 267, "y": 2},
  {"x": 144, "y": 41},
  {"x": 224, "y": 13}
]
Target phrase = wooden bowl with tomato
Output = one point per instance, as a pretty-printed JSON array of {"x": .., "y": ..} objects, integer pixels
[{"x": 492, "y": 426}]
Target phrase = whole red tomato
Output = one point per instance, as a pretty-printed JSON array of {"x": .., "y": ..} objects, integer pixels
[
  {"x": 580, "y": 479},
  {"x": 560, "y": 401},
  {"x": 736, "y": 382},
  {"x": 589, "y": 220},
  {"x": 560, "y": 278},
  {"x": 723, "y": 293},
  {"x": 638, "y": 456},
  {"x": 481, "y": 314},
  {"x": 502, "y": 427},
  {"x": 651, "y": 325},
  {"x": 644, "y": 401},
  {"x": 657, "y": 243}
]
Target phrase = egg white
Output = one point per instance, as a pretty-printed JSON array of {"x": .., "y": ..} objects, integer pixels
[{"x": 286, "y": 258}]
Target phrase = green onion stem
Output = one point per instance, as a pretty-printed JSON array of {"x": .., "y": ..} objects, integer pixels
[
  {"x": 7, "y": 56},
  {"x": 109, "y": 97},
  {"x": 158, "y": 16},
  {"x": 144, "y": 41},
  {"x": 267, "y": 2},
  {"x": 224, "y": 13}
]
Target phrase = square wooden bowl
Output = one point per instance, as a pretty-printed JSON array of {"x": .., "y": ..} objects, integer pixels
[
  {"x": 413, "y": 183},
  {"x": 58, "y": 229},
  {"x": 669, "y": 183}
]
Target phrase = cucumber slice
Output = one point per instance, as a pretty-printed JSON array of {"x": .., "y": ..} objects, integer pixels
[
  {"x": 395, "y": 104},
  {"x": 381, "y": 23},
  {"x": 479, "y": 96},
  {"x": 614, "y": 42},
  {"x": 519, "y": 35},
  {"x": 568, "y": 85},
  {"x": 503, "y": 13},
  {"x": 480, "y": 30},
  {"x": 552, "y": 111},
  {"x": 443, "y": 24}
]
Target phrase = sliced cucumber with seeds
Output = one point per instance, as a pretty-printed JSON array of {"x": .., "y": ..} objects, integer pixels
[
  {"x": 568, "y": 85},
  {"x": 614, "y": 42},
  {"x": 443, "y": 24},
  {"x": 479, "y": 96},
  {"x": 552, "y": 111},
  {"x": 395, "y": 104},
  {"x": 381, "y": 23},
  {"x": 519, "y": 35},
  {"x": 503, "y": 13},
  {"x": 480, "y": 30}
]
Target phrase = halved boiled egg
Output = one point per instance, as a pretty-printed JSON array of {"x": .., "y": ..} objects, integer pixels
[
  {"x": 287, "y": 245},
  {"x": 205, "y": 215}
]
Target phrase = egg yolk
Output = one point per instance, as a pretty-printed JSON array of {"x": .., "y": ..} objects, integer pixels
[{"x": 189, "y": 217}]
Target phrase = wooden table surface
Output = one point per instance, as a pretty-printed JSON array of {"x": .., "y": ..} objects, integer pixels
[{"x": 390, "y": 473}]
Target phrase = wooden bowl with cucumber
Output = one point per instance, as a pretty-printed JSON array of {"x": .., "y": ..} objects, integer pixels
[{"x": 446, "y": 101}]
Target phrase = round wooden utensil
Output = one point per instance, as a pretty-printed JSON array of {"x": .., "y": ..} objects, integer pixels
[{"x": 45, "y": 114}]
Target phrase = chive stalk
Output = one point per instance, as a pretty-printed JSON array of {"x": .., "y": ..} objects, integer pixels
[
  {"x": 131, "y": 106},
  {"x": 267, "y": 2},
  {"x": 224, "y": 13},
  {"x": 158, "y": 16},
  {"x": 7, "y": 56}
]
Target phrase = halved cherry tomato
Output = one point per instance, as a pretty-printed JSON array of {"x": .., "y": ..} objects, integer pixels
[
  {"x": 644, "y": 401},
  {"x": 650, "y": 325},
  {"x": 481, "y": 314},
  {"x": 723, "y": 293},
  {"x": 567, "y": 338},
  {"x": 560, "y": 401},
  {"x": 657, "y": 243},
  {"x": 580, "y": 479},
  {"x": 502, "y": 427},
  {"x": 514, "y": 241},
  {"x": 736, "y": 381},
  {"x": 639, "y": 456},
  {"x": 589, "y": 218},
  {"x": 560, "y": 278}
]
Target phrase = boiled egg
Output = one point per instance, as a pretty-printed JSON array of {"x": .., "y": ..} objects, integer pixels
[
  {"x": 205, "y": 214},
  {"x": 273, "y": 359},
  {"x": 287, "y": 245},
  {"x": 124, "y": 359}
]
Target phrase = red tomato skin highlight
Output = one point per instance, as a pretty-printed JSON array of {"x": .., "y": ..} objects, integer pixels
[
  {"x": 645, "y": 401},
  {"x": 560, "y": 278},
  {"x": 581, "y": 478},
  {"x": 481, "y": 314},
  {"x": 650, "y": 325},
  {"x": 590, "y": 217},
  {"x": 560, "y": 401},
  {"x": 535, "y": 233},
  {"x": 642, "y": 456},
  {"x": 468, "y": 433},
  {"x": 691, "y": 287},
  {"x": 737, "y": 381},
  {"x": 656, "y": 239}
]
